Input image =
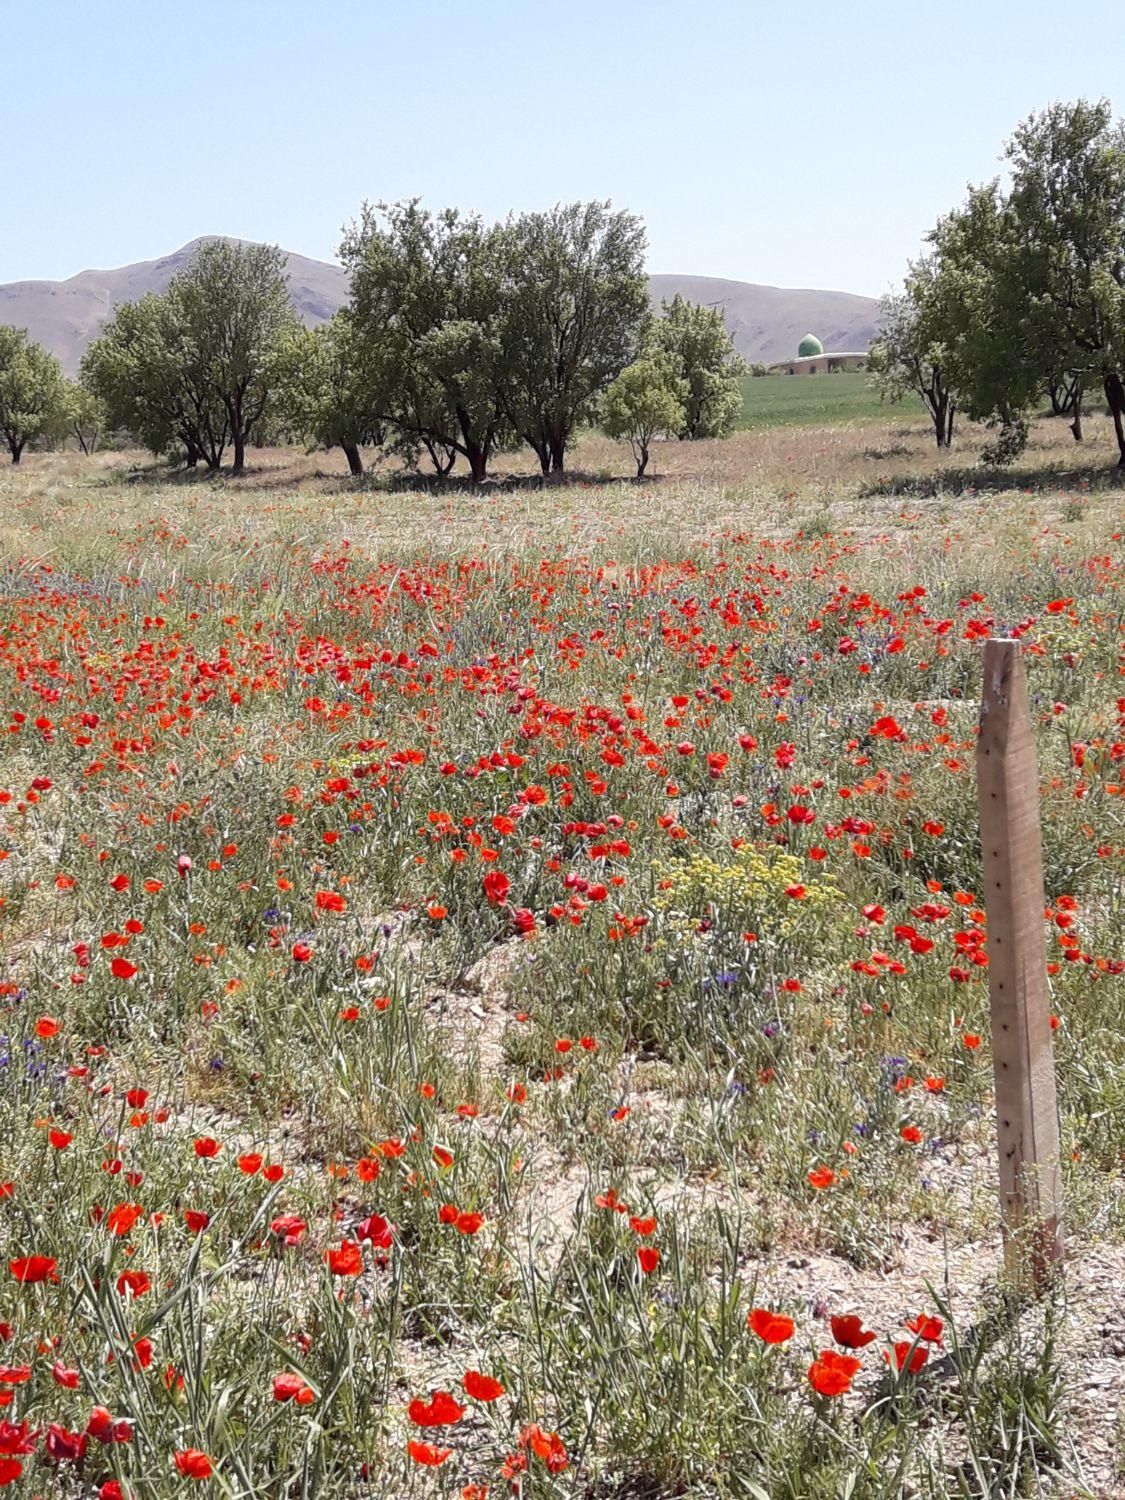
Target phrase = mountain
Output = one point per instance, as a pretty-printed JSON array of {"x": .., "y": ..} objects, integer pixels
[
  {"x": 767, "y": 322},
  {"x": 65, "y": 315}
]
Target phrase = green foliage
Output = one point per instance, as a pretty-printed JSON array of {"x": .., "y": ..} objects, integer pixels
[
  {"x": 696, "y": 339},
  {"x": 233, "y": 307},
  {"x": 574, "y": 304},
  {"x": 325, "y": 393},
  {"x": 85, "y": 416},
  {"x": 646, "y": 399},
  {"x": 33, "y": 398},
  {"x": 427, "y": 300},
  {"x": 909, "y": 356},
  {"x": 198, "y": 365}
]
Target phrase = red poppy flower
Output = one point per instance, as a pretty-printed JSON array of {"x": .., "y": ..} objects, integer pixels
[
  {"x": 911, "y": 1134},
  {"x": 770, "y": 1327},
  {"x": 137, "y": 1283},
  {"x": 648, "y": 1259},
  {"x": 31, "y": 1268},
  {"x": 442, "y": 1410},
  {"x": 481, "y": 1387},
  {"x": 10, "y": 1470},
  {"x": 17, "y": 1439},
  {"x": 193, "y": 1464},
  {"x": 427, "y": 1454},
  {"x": 831, "y": 1374},
  {"x": 59, "y": 1139},
  {"x": 196, "y": 1220},
  {"x": 468, "y": 1223},
  {"x": 47, "y": 1026},
  {"x": 642, "y": 1226},
  {"x": 290, "y": 1387},
  {"x": 821, "y": 1178},
  {"x": 249, "y": 1163},
  {"x": 62, "y": 1375},
  {"x": 376, "y": 1229},
  {"x": 122, "y": 1217},
  {"x": 848, "y": 1331},
  {"x": 908, "y": 1356},
  {"x": 929, "y": 1330},
  {"x": 207, "y": 1147},
  {"x": 496, "y": 886},
  {"x": 547, "y": 1446},
  {"x": 64, "y": 1447},
  {"x": 121, "y": 968},
  {"x": 346, "y": 1261}
]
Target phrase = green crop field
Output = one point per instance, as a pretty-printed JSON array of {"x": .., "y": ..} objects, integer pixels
[{"x": 809, "y": 400}]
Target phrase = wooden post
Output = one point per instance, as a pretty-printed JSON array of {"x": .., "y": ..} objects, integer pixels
[{"x": 1026, "y": 1107}]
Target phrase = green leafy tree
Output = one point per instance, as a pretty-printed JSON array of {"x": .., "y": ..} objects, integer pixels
[
  {"x": 574, "y": 306},
  {"x": 1067, "y": 201},
  {"x": 325, "y": 389},
  {"x": 646, "y": 399},
  {"x": 909, "y": 355},
  {"x": 85, "y": 415},
  {"x": 976, "y": 311},
  {"x": 232, "y": 304},
  {"x": 33, "y": 402},
  {"x": 696, "y": 339},
  {"x": 151, "y": 384},
  {"x": 427, "y": 296}
]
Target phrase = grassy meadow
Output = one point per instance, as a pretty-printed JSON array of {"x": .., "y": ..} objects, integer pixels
[
  {"x": 811, "y": 400},
  {"x": 493, "y": 991}
]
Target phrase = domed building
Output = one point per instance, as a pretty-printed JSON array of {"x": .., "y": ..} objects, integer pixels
[{"x": 812, "y": 360}]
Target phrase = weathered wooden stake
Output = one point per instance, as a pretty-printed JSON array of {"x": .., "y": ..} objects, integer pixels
[{"x": 1026, "y": 1107}]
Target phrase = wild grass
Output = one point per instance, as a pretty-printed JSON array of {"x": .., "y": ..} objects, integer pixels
[{"x": 538, "y": 914}]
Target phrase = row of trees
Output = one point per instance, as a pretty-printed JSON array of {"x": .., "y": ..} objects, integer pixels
[
  {"x": 1021, "y": 294},
  {"x": 460, "y": 339}
]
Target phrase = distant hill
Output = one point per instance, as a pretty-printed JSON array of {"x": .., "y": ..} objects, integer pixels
[
  {"x": 767, "y": 322},
  {"x": 65, "y": 315}
]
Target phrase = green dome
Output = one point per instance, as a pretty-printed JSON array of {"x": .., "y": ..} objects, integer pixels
[{"x": 809, "y": 346}]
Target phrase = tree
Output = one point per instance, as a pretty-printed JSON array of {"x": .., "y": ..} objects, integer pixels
[
  {"x": 233, "y": 305},
  {"x": 695, "y": 337},
  {"x": 427, "y": 297},
  {"x": 1068, "y": 206},
  {"x": 325, "y": 389},
  {"x": 85, "y": 415},
  {"x": 151, "y": 382},
  {"x": 908, "y": 357},
  {"x": 647, "y": 398},
  {"x": 32, "y": 392},
  {"x": 975, "y": 313},
  {"x": 575, "y": 301}
]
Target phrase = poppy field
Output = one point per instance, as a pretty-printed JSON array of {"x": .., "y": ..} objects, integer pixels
[{"x": 493, "y": 989}]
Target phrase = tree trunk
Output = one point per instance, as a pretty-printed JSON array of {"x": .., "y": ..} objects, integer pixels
[
  {"x": 949, "y": 426},
  {"x": 1076, "y": 425},
  {"x": 558, "y": 453},
  {"x": 539, "y": 447},
  {"x": 939, "y": 411},
  {"x": 351, "y": 453},
  {"x": 15, "y": 447},
  {"x": 239, "y": 464},
  {"x": 1115, "y": 395},
  {"x": 642, "y": 462},
  {"x": 478, "y": 462}
]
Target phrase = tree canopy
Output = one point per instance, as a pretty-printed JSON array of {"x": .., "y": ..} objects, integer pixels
[
  {"x": 33, "y": 396},
  {"x": 645, "y": 400},
  {"x": 696, "y": 339}
]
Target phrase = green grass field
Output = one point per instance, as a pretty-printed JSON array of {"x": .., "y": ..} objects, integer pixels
[{"x": 810, "y": 400}]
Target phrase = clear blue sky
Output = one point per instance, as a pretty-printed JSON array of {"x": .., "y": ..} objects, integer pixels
[{"x": 802, "y": 144}]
